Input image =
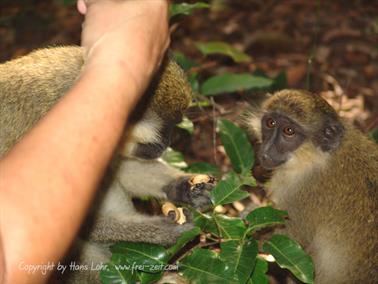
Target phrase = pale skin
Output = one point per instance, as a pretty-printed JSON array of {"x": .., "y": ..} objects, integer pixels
[{"x": 49, "y": 178}]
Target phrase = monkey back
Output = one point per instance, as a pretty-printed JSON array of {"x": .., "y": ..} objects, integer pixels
[{"x": 32, "y": 84}]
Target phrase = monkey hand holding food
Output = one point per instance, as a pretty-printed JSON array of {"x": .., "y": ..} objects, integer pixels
[
  {"x": 325, "y": 174},
  {"x": 117, "y": 222},
  {"x": 193, "y": 191}
]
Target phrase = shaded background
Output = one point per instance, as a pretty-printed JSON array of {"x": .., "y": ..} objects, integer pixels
[{"x": 324, "y": 46}]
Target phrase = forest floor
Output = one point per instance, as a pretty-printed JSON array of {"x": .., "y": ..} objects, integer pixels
[{"x": 330, "y": 47}]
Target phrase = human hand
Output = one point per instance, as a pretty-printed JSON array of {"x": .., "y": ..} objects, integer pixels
[{"x": 131, "y": 34}]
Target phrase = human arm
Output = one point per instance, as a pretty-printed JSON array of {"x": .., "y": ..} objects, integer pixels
[{"x": 49, "y": 178}]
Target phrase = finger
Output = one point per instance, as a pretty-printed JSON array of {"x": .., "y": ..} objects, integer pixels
[{"x": 81, "y": 7}]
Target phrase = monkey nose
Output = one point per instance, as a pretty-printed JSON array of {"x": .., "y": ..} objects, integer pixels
[
  {"x": 266, "y": 161},
  {"x": 264, "y": 158}
]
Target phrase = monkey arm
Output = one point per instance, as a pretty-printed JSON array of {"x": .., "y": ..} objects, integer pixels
[
  {"x": 146, "y": 177},
  {"x": 158, "y": 179},
  {"x": 115, "y": 218},
  {"x": 136, "y": 227}
]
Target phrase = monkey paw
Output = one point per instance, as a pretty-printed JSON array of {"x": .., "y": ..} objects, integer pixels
[{"x": 193, "y": 190}]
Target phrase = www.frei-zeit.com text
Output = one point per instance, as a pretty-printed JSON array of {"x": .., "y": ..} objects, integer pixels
[{"x": 73, "y": 266}]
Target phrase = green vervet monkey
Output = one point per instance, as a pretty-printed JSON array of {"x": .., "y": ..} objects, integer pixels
[
  {"x": 32, "y": 84},
  {"x": 325, "y": 174}
]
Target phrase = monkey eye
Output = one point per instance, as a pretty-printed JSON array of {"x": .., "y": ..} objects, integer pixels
[
  {"x": 288, "y": 131},
  {"x": 270, "y": 122}
]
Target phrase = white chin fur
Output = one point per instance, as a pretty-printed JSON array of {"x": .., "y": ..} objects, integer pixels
[
  {"x": 147, "y": 130},
  {"x": 309, "y": 158}
]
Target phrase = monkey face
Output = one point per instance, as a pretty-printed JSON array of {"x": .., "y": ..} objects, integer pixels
[
  {"x": 280, "y": 137},
  {"x": 161, "y": 108}
]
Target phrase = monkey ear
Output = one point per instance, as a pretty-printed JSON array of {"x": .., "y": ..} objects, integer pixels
[
  {"x": 331, "y": 135},
  {"x": 252, "y": 124}
]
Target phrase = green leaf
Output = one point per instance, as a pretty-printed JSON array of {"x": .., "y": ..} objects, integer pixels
[
  {"x": 146, "y": 256},
  {"x": 204, "y": 266},
  {"x": 118, "y": 271},
  {"x": 174, "y": 158},
  {"x": 290, "y": 255},
  {"x": 227, "y": 191},
  {"x": 203, "y": 168},
  {"x": 185, "y": 8},
  {"x": 184, "y": 62},
  {"x": 183, "y": 240},
  {"x": 241, "y": 257},
  {"x": 229, "y": 228},
  {"x": 246, "y": 178},
  {"x": 193, "y": 81},
  {"x": 220, "y": 47},
  {"x": 237, "y": 146},
  {"x": 147, "y": 278},
  {"x": 374, "y": 134},
  {"x": 186, "y": 124},
  {"x": 259, "y": 272},
  {"x": 205, "y": 222},
  {"x": 260, "y": 73},
  {"x": 229, "y": 83},
  {"x": 264, "y": 217},
  {"x": 68, "y": 2},
  {"x": 219, "y": 225},
  {"x": 279, "y": 82}
]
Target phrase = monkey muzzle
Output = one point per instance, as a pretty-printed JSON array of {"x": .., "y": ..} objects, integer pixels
[{"x": 269, "y": 163}]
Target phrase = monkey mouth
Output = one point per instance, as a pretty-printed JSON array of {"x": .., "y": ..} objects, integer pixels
[{"x": 268, "y": 163}]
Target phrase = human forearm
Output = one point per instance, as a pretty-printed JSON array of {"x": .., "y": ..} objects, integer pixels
[{"x": 34, "y": 214}]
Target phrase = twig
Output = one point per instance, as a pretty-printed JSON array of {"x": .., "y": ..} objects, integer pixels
[
  {"x": 314, "y": 47},
  {"x": 203, "y": 66},
  {"x": 214, "y": 132}
]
